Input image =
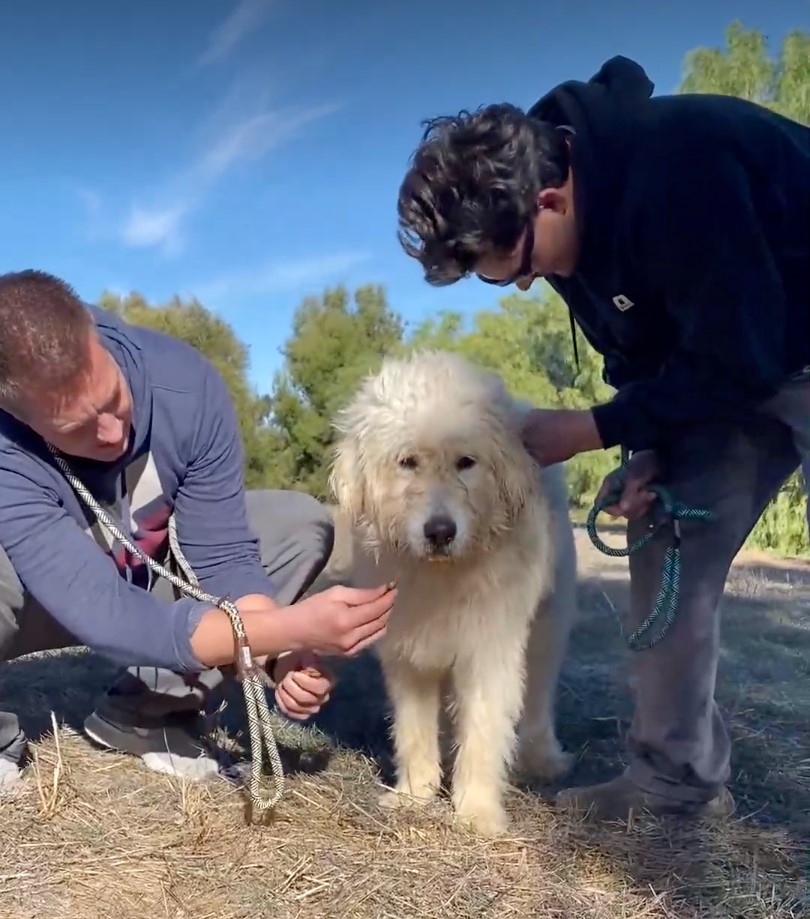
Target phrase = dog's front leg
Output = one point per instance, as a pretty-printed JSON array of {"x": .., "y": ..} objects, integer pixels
[
  {"x": 488, "y": 696},
  {"x": 416, "y": 698}
]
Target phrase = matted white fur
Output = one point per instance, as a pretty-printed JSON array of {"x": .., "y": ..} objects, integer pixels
[{"x": 432, "y": 479}]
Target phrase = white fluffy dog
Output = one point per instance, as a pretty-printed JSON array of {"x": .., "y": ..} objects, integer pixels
[{"x": 431, "y": 474}]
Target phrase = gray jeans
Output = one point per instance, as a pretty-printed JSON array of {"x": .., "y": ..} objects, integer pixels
[
  {"x": 296, "y": 537},
  {"x": 678, "y": 743}
]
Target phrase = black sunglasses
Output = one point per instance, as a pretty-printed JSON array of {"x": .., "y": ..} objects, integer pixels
[{"x": 525, "y": 267}]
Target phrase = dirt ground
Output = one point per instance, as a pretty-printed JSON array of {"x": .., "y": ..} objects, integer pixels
[{"x": 92, "y": 835}]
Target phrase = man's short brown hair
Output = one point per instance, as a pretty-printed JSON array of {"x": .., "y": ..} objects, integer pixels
[{"x": 44, "y": 334}]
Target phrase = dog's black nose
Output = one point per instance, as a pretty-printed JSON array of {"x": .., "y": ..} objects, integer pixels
[{"x": 440, "y": 530}]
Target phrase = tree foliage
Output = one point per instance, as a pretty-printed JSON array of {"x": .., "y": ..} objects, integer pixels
[
  {"x": 214, "y": 337},
  {"x": 745, "y": 69},
  {"x": 337, "y": 338},
  {"x": 334, "y": 344}
]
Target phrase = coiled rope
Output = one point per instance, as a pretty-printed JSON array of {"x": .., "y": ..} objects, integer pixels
[
  {"x": 666, "y": 602},
  {"x": 249, "y": 674}
]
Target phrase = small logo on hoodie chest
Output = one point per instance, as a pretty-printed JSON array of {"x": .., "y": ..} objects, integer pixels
[{"x": 622, "y": 303}]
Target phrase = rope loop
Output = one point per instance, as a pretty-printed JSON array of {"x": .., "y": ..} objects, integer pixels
[{"x": 668, "y": 510}]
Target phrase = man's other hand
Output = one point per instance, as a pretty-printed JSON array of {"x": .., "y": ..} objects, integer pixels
[
  {"x": 303, "y": 684},
  {"x": 636, "y": 498}
]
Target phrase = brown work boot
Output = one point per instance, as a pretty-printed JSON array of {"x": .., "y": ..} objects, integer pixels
[{"x": 617, "y": 799}]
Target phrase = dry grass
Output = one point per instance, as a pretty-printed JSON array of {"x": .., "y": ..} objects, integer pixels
[{"x": 93, "y": 835}]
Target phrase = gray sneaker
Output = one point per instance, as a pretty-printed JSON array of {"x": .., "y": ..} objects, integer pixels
[
  {"x": 15, "y": 751},
  {"x": 171, "y": 743},
  {"x": 11, "y": 762},
  {"x": 616, "y": 799}
]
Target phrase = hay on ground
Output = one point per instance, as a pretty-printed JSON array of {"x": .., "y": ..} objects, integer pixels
[{"x": 95, "y": 836}]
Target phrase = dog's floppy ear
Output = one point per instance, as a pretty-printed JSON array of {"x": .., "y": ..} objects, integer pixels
[
  {"x": 346, "y": 478},
  {"x": 515, "y": 470},
  {"x": 515, "y": 482}
]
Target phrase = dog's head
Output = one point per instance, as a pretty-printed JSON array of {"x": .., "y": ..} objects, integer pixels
[{"x": 429, "y": 459}]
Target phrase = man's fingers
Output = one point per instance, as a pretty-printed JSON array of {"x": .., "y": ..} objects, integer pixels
[
  {"x": 380, "y": 607},
  {"x": 642, "y": 505},
  {"x": 314, "y": 687},
  {"x": 320, "y": 671},
  {"x": 287, "y": 704},
  {"x": 365, "y": 635},
  {"x": 611, "y": 484},
  {"x": 635, "y": 501},
  {"x": 360, "y": 596},
  {"x": 291, "y": 707},
  {"x": 369, "y": 614},
  {"x": 637, "y": 504}
]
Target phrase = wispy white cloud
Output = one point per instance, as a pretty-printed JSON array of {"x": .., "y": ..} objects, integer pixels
[
  {"x": 160, "y": 224},
  {"x": 245, "y": 18},
  {"x": 159, "y": 228},
  {"x": 255, "y": 137},
  {"x": 277, "y": 276},
  {"x": 245, "y": 125}
]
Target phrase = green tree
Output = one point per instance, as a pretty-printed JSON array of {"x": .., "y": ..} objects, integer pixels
[
  {"x": 334, "y": 344},
  {"x": 745, "y": 68},
  {"x": 214, "y": 337}
]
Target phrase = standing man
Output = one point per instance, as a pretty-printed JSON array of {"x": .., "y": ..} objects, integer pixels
[
  {"x": 677, "y": 230},
  {"x": 147, "y": 425}
]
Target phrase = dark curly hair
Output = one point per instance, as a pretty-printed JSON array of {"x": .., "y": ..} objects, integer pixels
[{"x": 472, "y": 184}]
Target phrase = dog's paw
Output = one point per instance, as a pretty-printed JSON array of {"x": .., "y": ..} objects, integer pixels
[
  {"x": 541, "y": 759},
  {"x": 480, "y": 808},
  {"x": 489, "y": 820},
  {"x": 544, "y": 766},
  {"x": 395, "y": 798}
]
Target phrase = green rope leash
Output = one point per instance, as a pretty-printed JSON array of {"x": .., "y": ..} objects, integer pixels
[{"x": 666, "y": 603}]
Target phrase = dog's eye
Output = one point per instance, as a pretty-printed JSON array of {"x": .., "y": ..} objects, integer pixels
[
  {"x": 409, "y": 462},
  {"x": 465, "y": 462}
]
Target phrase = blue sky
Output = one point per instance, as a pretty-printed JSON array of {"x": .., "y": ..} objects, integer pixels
[{"x": 250, "y": 151}]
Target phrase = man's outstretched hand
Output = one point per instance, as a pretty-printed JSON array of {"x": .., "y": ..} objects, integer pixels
[
  {"x": 555, "y": 435},
  {"x": 340, "y": 621},
  {"x": 343, "y": 621}
]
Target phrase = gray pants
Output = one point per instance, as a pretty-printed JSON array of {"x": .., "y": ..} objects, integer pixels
[
  {"x": 296, "y": 536},
  {"x": 678, "y": 742}
]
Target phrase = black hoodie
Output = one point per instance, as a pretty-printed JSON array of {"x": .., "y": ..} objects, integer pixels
[{"x": 694, "y": 273}]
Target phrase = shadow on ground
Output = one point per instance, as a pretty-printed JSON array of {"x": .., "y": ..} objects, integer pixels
[{"x": 764, "y": 687}]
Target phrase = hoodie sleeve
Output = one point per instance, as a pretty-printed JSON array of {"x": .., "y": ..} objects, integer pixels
[
  {"x": 69, "y": 575},
  {"x": 699, "y": 240},
  {"x": 210, "y": 508}
]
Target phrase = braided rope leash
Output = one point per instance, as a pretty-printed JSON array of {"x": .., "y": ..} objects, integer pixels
[
  {"x": 249, "y": 674},
  {"x": 666, "y": 602}
]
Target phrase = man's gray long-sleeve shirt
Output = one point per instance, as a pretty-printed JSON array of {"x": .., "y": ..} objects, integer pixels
[{"x": 185, "y": 456}]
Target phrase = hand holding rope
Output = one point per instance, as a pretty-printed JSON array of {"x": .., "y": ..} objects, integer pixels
[{"x": 666, "y": 602}]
